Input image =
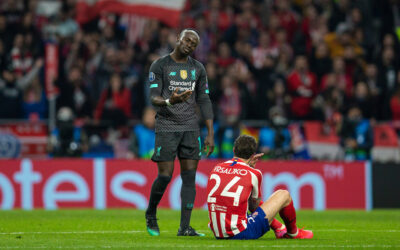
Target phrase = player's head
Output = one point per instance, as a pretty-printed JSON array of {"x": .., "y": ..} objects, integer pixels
[
  {"x": 245, "y": 146},
  {"x": 187, "y": 42}
]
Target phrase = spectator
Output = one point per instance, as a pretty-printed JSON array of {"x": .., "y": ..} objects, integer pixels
[
  {"x": 229, "y": 114},
  {"x": 282, "y": 45},
  {"x": 338, "y": 78},
  {"x": 311, "y": 27},
  {"x": 67, "y": 139},
  {"x": 387, "y": 79},
  {"x": 114, "y": 105},
  {"x": 10, "y": 98},
  {"x": 278, "y": 97},
  {"x": 263, "y": 51},
  {"x": 21, "y": 57},
  {"x": 143, "y": 136},
  {"x": 321, "y": 63},
  {"x": 338, "y": 41},
  {"x": 356, "y": 135},
  {"x": 275, "y": 139},
  {"x": 207, "y": 40},
  {"x": 287, "y": 18},
  {"x": 330, "y": 104},
  {"x": 225, "y": 56},
  {"x": 230, "y": 102},
  {"x": 395, "y": 105},
  {"x": 74, "y": 94},
  {"x": 363, "y": 99},
  {"x": 371, "y": 78},
  {"x": 339, "y": 13},
  {"x": 302, "y": 86},
  {"x": 3, "y": 57},
  {"x": 217, "y": 19},
  {"x": 35, "y": 102}
]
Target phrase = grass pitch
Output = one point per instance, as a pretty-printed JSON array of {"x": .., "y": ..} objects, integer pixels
[{"x": 125, "y": 229}]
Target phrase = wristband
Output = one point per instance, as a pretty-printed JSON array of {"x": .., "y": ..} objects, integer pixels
[{"x": 168, "y": 103}]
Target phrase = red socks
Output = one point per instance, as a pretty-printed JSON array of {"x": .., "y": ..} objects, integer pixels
[
  {"x": 275, "y": 224},
  {"x": 288, "y": 215}
]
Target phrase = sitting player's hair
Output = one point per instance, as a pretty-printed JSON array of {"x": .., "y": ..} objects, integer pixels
[{"x": 245, "y": 146}]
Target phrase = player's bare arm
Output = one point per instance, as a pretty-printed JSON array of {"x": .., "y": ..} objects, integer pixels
[
  {"x": 174, "y": 99},
  {"x": 254, "y": 203},
  {"x": 209, "y": 141}
]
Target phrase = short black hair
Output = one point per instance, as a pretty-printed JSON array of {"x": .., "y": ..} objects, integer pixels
[
  {"x": 245, "y": 146},
  {"x": 193, "y": 31}
]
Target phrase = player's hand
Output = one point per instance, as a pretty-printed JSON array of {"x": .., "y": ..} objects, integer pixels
[
  {"x": 178, "y": 98},
  {"x": 209, "y": 142},
  {"x": 253, "y": 159}
]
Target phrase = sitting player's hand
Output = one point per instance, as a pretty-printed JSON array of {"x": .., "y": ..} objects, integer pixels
[
  {"x": 178, "y": 98},
  {"x": 253, "y": 159}
]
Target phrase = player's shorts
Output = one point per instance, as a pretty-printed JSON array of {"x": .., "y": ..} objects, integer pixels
[
  {"x": 257, "y": 226},
  {"x": 185, "y": 145}
]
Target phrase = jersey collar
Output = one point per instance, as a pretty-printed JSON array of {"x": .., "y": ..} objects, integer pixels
[{"x": 235, "y": 161}]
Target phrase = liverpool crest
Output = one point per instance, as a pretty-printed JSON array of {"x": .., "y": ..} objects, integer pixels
[{"x": 183, "y": 74}]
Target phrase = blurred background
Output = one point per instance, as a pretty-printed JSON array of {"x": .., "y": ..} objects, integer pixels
[{"x": 310, "y": 79}]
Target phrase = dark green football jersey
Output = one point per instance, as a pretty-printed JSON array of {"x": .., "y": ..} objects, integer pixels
[{"x": 165, "y": 76}]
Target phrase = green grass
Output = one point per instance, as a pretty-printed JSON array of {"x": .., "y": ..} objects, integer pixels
[{"x": 125, "y": 229}]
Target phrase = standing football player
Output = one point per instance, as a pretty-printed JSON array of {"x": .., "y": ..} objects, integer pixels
[
  {"x": 235, "y": 187},
  {"x": 178, "y": 84}
]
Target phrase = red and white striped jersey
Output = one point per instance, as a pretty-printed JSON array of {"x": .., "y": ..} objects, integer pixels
[{"x": 229, "y": 187}]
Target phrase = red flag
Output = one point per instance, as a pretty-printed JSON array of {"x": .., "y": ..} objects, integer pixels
[
  {"x": 165, "y": 11},
  {"x": 51, "y": 69}
]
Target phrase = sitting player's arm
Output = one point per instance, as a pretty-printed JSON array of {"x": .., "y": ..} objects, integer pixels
[{"x": 254, "y": 203}]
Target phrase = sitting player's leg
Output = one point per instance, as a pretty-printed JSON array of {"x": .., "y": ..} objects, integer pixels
[
  {"x": 165, "y": 170},
  {"x": 188, "y": 194},
  {"x": 281, "y": 201},
  {"x": 278, "y": 228}
]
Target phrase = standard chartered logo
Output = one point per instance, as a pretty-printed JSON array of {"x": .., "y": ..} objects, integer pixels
[{"x": 183, "y": 85}]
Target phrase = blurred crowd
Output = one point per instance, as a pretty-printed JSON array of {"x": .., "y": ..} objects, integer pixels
[{"x": 277, "y": 61}]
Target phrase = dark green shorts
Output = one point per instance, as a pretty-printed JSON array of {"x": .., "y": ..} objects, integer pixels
[{"x": 170, "y": 144}]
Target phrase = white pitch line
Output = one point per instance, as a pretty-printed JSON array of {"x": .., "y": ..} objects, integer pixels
[
  {"x": 358, "y": 231},
  {"x": 76, "y": 232}
]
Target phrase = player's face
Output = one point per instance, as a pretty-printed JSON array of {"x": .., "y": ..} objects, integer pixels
[{"x": 187, "y": 43}]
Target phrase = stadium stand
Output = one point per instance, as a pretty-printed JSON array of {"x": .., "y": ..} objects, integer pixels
[{"x": 314, "y": 60}]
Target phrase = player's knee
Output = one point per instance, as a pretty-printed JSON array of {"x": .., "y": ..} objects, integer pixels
[
  {"x": 285, "y": 195},
  {"x": 165, "y": 172},
  {"x": 164, "y": 179},
  {"x": 188, "y": 177}
]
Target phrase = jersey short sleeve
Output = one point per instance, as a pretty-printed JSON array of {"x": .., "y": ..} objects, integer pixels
[
  {"x": 256, "y": 180},
  {"x": 203, "y": 81},
  {"x": 155, "y": 78}
]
